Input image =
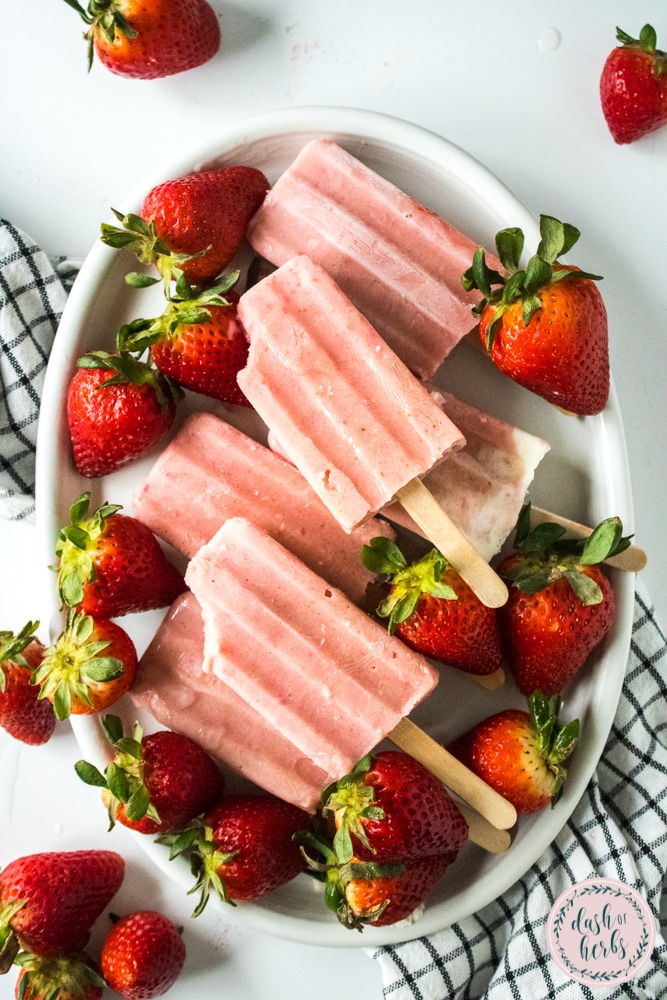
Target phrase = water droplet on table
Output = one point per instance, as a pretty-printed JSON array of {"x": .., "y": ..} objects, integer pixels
[{"x": 549, "y": 40}]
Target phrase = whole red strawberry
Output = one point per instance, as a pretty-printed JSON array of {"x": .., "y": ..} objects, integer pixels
[
  {"x": 118, "y": 408},
  {"x": 244, "y": 847},
  {"x": 201, "y": 344},
  {"x": 545, "y": 326},
  {"x": 433, "y": 610},
  {"x": 633, "y": 86},
  {"x": 142, "y": 955},
  {"x": 92, "y": 663},
  {"x": 521, "y": 754},
  {"x": 391, "y": 808},
  {"x": 561, "y": 604},
  {"x": 156, "y": 783},
  {"x": 49, "y": 901},
  {"x": 22, "y": 714},
  {"x": 61, "y": 977},
  {"x": 111, "y": 564},
  {"x": 191, "y": 226},
  {"x": 147, "y": 39}
]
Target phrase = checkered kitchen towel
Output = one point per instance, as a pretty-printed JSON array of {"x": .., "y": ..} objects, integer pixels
[
  {"x": 33, "y": 291},
  {"x": 618, "y": 830}
]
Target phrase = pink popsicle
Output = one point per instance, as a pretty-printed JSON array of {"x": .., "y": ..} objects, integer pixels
[
  {"x": 398, "y": 262},
  {"x": 211, "y": 471}
]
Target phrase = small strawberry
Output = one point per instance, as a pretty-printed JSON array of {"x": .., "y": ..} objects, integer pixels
[
  {"x": 521, "y": 754},
  {"x": 433, "y": 610},
  {"x": 61, "y": 977},
  {"x": 243, "y": 848},
  {"x": 389, "y": 808},
  {"x": 544, "y": 326},
  {"x": 111, "y": 564},
  {"x": 156, "y": 783},
  {"x": 561, "y": 604},
  {"x": 198, "y": 342},
  {"x": 142, "y": 955},
  {"x": 90, "y": 666},
  {"x": 49, "y": 901},
  {"x": 118, "y": 408},
  {"x": 146, "y": 41},
  {"x": 22, "y": 714},
  {"x": 192, "y": 225},
  {"x": 633, "y": 86}
]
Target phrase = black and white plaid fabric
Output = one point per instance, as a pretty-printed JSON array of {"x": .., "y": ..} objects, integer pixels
[
  {"x": 618, "y": 830},
  {"x": 33, "y": 291}
]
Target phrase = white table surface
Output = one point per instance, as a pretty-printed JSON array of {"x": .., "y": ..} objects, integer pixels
[{"x": 513, "y": 83}]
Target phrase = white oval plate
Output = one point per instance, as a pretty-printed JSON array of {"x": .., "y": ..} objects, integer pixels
[{"x": 585, "y": 476}]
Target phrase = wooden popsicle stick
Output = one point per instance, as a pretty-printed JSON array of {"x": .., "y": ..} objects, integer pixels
[
  {"x": 482, "y": 833},
  {"x": 460, "y": 779},
  {"x": 426, "y": 512},
  {"x": 632, "y": 560},
  {"x": 490, "y": 682}
]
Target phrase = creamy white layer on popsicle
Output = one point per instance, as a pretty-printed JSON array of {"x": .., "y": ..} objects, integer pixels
[
  {"x": 357, "y": 424},
  {"x": 483, "y": 486},
  {"x": 398, "y": 262},
  {"x": 326, "y": 676},
  {"x": 172, "y": 686},
  {"x": 211, "y": 471}
]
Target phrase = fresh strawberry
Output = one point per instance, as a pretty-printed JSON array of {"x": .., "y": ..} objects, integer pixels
[
  {"x": 633, "y": 86},
  {"x": 561, "y": 604},
  {"x": 142, "y": 955},
  {"x": 433, "y": 610},
  {"x": 118, "y": 408},
  {"x": 379, "y": 900},
  {"x": 521, "y": 754},
  {"x": 49, "y": 901},
  {"x": 147, "y": 40},
  {"x": 544, "y": 326},
  {"x": 112, "y": 564},
  {"x": 156, "y": 783},
  {"x": 61, "y": 977},
  {"x": 193, "y": 225},
  {"x": 198, "y": 342},
  {"x": 91, "y": 665},
  {"x": 22, "y": 714},
  {"x": 389, "y": 808},
  {"x": 243, "y": 848}
]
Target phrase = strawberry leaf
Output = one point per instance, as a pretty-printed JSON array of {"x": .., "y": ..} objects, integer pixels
[
  {"x": 117, "y": 782},
  {"x": 113, "y": 728},
  {"x": 509, "y": 244},
  {"x": 90, "y": 774},
  {"x": 382, "y": 556},
  {"x": 587, "y": 590},
  {"x": 105, "y": 668},
  {"x": 138, "y": 804}
]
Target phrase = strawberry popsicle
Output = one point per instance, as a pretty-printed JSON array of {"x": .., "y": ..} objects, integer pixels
[
  {"x": 326, "y": 676},
  {"x": 353, "y": 419},
  {"x": 211, "y": 471},
  {"x": 483, "y": 486},
  {"x": 172, "y": 686},
  {"x": 398, "y": 262}
]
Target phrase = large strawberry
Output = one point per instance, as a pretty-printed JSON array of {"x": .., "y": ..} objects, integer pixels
[
  {"x": 142, "y": 955},
  {"x": 198, "y": 342},
  {"x": 155, "y": 783},
  {"x": 560, "y": 605},
  {"x": 390, "y": 808},
  {"x": 633, "y": 86},
  {"x": 521, "y": 754},
  {"x": 60, "y": 977},
  {"x": 147, "y": 39},
  {"x": 49, "y": 901},
  {"x": 22, "y": 714},
  {"x": 433, "y": 610},
  {"x": 90, "y": 666},
  {"x": 243, "y": 848},
  {"x": 545, "y": 325},
  {"x": 192, "y": 225},
  {"x": 111, "y": 564},
  {"x": 118, "y": 408}
]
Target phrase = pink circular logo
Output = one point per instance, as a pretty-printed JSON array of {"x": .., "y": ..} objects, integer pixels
[{"x": 601, "y": 932}]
